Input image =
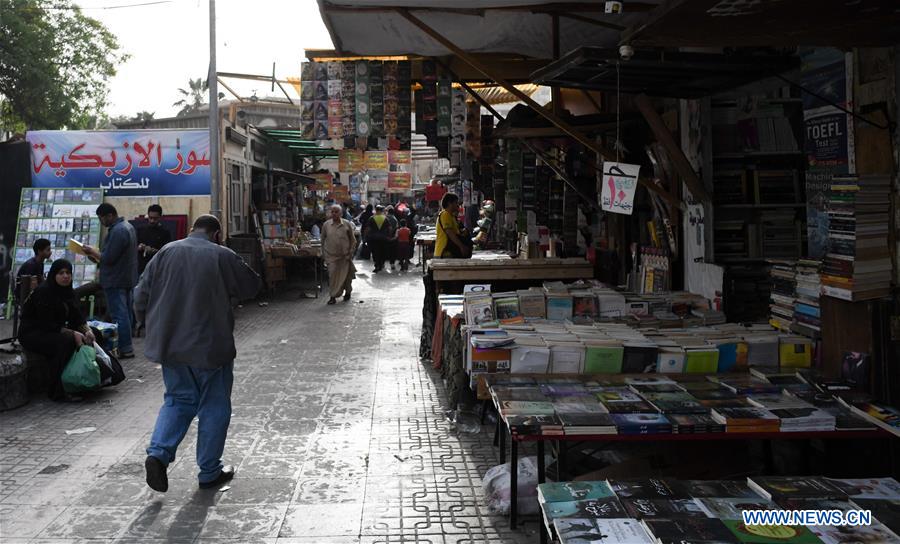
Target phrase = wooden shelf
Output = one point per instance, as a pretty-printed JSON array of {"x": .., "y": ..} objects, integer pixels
[
  {"x": 759, "y": 206},
  {"x": 754, "y": 154}
]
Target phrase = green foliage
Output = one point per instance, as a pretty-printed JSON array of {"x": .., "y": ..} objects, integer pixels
[
  {"x": 193, "y": 97},
  {"x": 55, "y": 64}
]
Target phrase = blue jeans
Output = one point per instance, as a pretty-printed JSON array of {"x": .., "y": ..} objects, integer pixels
[
  {"x": 192, "y": 392},
  {"x": 118, "y": 302}
]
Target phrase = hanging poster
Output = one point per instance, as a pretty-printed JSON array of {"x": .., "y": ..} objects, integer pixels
[
  {"x": 399, "y": 182},
  {"x": 828, "y": 142},
  {"x": 340, "y": 193},
  {"x": 151, "y": 162},
  {"x": 376, "y": 160},
  {"x": 400, "y": 160},
  {"x": 351, "y": 160},
  {"x": 376, "y": 100},
  {"x": 378, "y": 181},
  {"x": 619, "y": 184},
  {"x": 324, "y": 181},
  {"x": 363, "y": 125}
]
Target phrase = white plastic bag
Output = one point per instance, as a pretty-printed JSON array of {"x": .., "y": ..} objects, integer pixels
[
  {"x": 103, "y": 359},
  {"x": 496, "y": 487}
]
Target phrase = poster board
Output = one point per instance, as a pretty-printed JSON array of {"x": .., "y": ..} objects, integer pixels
[{"x": 58, "y": 215}]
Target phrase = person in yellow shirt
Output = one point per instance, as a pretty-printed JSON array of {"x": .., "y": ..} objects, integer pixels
[
  {"x": 378, "y": 235},
  {"x": 451, "y": 241}
]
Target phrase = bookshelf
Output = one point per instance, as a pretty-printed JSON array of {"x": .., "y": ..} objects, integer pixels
[{"x": 759, "y": 202}]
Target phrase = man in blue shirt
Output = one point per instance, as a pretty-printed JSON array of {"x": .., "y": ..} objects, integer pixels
[{"x": 118, "y": 271}]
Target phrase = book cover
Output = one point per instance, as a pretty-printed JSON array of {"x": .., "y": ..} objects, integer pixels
[
  {"x": 606, "y": 507},
  {"x": 603, "y": 359},
  {"x": 639, "y": 358},
  {"x": 744, "y": 416},
  {"x": 641, "y": 423},
  {"x": 731, "y": 508},
  {"x": 528, "y": 393},
  {"x": 506, "y": 308},
  {"x": 868, "y": 488},
  {"x": 649, "y": 488},
  {"x": 516, "y": 407},
  {"x": 689, "y": 530},
  {"x": 574, "y": 491},
  {"x": 876, "y": 532},
  {"x": 886, "y": 511},
  {"x": 737, "y": 489},
  {"x": 768, "y": 534},
  {"x": 608, "y": 531},
  {"x": 788, "y": 487},
  {"x": 695, "y": 423},
  {"x": 701, "y": 361},
  {"x": 587, "y": 420},
  {"x": 533, "y": 424},
  {"x": 625, "y": 407},
  {"x": 664, "y": 508},
  {"x": 618, "y": 394},
  {"x": 559, "y": 308}
]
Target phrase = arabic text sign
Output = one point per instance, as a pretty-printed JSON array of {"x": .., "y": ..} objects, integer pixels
[
  {"x": 124, "y": 163},
  {"x": 619, "y": 183}
]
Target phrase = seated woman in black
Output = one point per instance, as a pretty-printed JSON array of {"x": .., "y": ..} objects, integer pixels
[{"x": 53, "y": 326}]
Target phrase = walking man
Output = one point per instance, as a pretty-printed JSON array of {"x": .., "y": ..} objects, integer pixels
[
  {"x": 118, "y": 271},
  {"x": 338, "y": 245},
  {"x": 195, "y": 348}
]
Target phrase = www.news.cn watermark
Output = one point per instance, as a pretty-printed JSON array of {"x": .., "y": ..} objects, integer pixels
[{"x": 835, "y": 518}]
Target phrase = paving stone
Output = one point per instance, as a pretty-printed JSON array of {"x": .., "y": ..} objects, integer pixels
[{"x": 339, "y": 436}]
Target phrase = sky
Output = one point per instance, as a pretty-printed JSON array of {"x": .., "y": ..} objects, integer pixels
[{"x": 169, "y": 44}]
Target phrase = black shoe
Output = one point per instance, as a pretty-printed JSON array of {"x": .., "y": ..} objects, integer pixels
[
  {"x": 156, "y": 474},
  {"x": 347, "y": 296},
  {"x": 332, "y": 300},
  {"x": 126, "y": 355},
  {"x": 224, "y": 476}
]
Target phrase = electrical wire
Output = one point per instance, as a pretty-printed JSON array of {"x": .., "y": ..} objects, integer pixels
[{"x": 142, "y": 4}]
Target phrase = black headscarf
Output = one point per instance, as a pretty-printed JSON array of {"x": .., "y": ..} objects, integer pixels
[{"x": 64, "y": 293}]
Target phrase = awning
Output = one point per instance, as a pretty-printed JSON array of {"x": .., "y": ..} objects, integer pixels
[
  {"x": 770, "y": 23},
  {"x": 661, "y": 73},
  {"x": 292, "y": 139},
  {"x": 524, "y": 27}
]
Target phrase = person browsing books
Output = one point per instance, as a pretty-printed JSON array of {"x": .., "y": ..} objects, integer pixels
[
  {"x": 151, "y": 237},
  {"x": 118, "y": 271},
  {"x": 195, "y": 348},
  {"x": 450, "y": 241}
]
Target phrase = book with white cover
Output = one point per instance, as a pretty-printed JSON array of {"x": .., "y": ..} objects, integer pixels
[{"x": 608, "y": 531}]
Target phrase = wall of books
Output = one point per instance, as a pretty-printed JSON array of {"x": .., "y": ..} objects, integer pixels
[{"x": 59, "y": 215}]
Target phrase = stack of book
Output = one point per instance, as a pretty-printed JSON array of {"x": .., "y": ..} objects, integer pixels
[
  {"x": 807, "y": 315},
  {"x": 784, "y": 285},
  {"x": 858, "y": 263}
]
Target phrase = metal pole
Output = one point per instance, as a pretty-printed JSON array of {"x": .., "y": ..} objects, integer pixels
[{"x": 215, "y": 189}]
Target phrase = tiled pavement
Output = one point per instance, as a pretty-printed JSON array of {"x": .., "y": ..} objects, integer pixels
[{"x": 338, "y": 433}]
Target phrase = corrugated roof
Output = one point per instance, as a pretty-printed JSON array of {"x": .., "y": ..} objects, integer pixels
[{"x": 498, "y": 95}]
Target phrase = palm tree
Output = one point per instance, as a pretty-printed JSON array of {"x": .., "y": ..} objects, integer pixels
[{"x": 193, "y": 98}]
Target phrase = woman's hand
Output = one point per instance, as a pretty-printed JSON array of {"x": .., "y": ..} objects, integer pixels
[
  {"x": 79, "y": 339},
  {"x": 89, "y": 337}
]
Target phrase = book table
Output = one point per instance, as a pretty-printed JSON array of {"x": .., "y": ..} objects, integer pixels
[{"x": 562, "y": 442}]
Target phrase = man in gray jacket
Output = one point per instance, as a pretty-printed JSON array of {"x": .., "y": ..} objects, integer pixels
[
  {"x": 185, "y": 299},
  {"x": 118, "y": 271}
]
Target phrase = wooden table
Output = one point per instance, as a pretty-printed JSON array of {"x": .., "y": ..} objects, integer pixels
[
  {"x": 503, "y": 433},
  {"x": 425, "y": 242},
  {"x": 492, "y": 268}
]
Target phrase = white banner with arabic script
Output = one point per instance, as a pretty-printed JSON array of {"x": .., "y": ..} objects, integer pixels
[
  {"x": 618, "y": 185},
  {"x": 124, "y": 163}
]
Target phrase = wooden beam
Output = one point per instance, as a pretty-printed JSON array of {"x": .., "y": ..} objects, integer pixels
[
  {"x": 588, "y": 20},
  {"x": 592, "y": 100},
  {"x": 555, "y": 93},
  {"x": 570, "y": 130},
  {"x": 681, "y": 163}
]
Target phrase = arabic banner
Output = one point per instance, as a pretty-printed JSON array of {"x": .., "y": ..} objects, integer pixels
[
  {"x": 124, "y": 163},
  {"x": 619, "y": 184},
  {"x": 399, "y": 182},
  {"x": 376, "y": 160},
  {"x": 351, "y": 160}
]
